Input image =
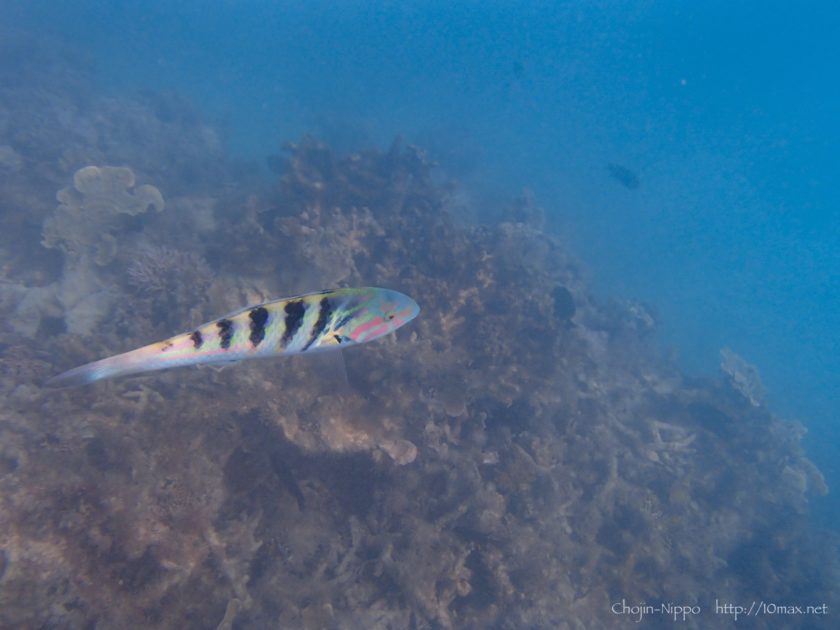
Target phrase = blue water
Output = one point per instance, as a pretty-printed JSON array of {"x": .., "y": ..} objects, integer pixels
[{"x": 726, "y": 112}]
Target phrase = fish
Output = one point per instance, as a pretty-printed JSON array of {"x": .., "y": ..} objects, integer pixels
[
  {"x": 313, "y": 322},
  {"x": 624, "y": 176}
]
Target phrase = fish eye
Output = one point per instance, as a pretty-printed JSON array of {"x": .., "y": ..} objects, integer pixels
[{"x": 390, "y": 316}]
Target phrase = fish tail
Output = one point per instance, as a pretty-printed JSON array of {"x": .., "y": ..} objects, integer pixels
[
  {"x": 118, "y": 365},
  {"x": 82, "y": 375}
]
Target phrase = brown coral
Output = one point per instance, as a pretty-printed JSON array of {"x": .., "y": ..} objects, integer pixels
[{"x": 88, "y": 211}]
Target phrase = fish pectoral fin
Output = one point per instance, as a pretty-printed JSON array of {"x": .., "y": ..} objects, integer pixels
[{"x": 330, "y": 371}]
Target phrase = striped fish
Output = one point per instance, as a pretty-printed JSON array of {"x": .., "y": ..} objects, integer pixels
[{"x": 306, "y": 323}]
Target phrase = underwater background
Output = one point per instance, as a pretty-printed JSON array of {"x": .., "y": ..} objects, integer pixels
[{"x": 620, "y": 221}]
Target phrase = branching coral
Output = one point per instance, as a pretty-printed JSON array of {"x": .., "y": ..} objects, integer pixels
[{"x": 175, "y": 281}]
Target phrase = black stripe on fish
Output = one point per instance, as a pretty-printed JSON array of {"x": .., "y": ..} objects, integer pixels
[
  {"x": 258, "y": 317},
  {"x": 344, "y": 320},
  {"x": 197, "y": 339},
  {"x": 225, "y": 327},
  {"x": 295, "y": 311},
  {"x": 324, "y": 314}
]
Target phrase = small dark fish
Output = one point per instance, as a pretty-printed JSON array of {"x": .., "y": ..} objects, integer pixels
[{"x": 624, "y": 176}]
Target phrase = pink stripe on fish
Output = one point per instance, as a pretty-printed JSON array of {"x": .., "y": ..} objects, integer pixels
[
  {"x": 384, "y": 329},
  {"x": 359, "y": 334}
]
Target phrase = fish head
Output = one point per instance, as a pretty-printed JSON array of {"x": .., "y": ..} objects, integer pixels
[{"x": 383, "y": 312}]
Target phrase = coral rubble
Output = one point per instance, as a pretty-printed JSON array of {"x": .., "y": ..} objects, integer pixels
[{"x": 520, "y": 456}]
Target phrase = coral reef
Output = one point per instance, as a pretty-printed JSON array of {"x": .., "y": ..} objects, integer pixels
[
  {"x": 176, "y": 282},
  {"x": 743, "y": 375},
  {"x": 83, "y": 227},
  {"x": 89, "y": 211},
  {"x": 519, "y": 456}
]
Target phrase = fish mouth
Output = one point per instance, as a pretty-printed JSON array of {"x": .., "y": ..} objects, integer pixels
[
  {"x": 407, "y": 307},
  {"x": 412, "y": 307}
]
